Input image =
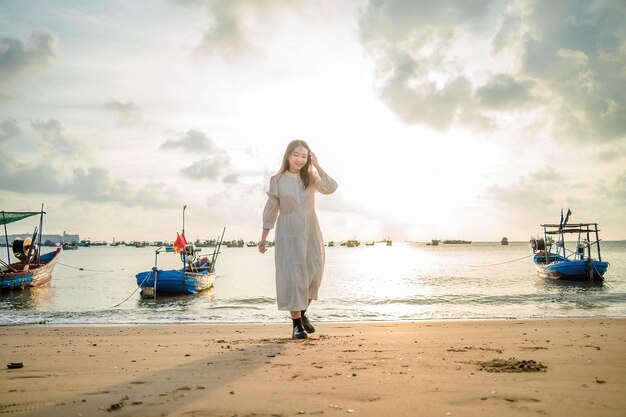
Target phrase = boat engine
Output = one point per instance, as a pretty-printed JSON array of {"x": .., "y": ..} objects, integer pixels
[
  {"x": 190, "y": 253},
  {"x": 538, "y": 244},
  {"x": 23, "y": 248}
]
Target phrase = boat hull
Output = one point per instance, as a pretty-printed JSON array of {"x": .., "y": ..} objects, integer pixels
[
  {"x": 38, "y": 274},
  {"x": 572, "y": 270},
  {"x": 173, "y": 282}
]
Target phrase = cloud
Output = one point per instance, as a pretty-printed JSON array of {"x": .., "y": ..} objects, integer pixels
[
  {"x": 502, "y": 91},
  {"x": 521, "y": 197},
  {"x": 531, "y": 192},
  {"x": 193, "y": 141},
  {"x": 546, "y": 175},
  {"x": 208, "y": 168},
  {"x": 231, "y": 23},
  {"x": 576, "y": 51},
  {"x": 16, "y": 58},
  {"x": 418, "y": 74},
  {"x": 53, "y": 137},
  {"x": 93, "y": 185},
  {"x": 416, "y": 99},
  {"x": 615, "y": 191},
  {"x": 126, "y": 114},
  {"x": 566, "y": 59},
  {"x": 9, "y": 129},
  {"x": 611, "y": 153}
]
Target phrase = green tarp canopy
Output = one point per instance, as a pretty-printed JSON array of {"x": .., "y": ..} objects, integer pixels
[{"x": 13, "y": 216}]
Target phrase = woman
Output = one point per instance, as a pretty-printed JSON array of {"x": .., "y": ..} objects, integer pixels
[{"x": 299, "y": 248}]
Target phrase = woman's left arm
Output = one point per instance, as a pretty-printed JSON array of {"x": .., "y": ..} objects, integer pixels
[
  {"x": 317, "y": 166},
  {"x": 325, "y": 185}
]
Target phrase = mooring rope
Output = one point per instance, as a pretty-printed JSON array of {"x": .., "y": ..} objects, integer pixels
[
  {"x": 132, "y": 293},
  {"x": 499, "y": 263},
  {"x": 90, "y": 270}
]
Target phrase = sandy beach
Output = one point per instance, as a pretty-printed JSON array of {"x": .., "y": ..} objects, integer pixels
[{"x": 447, "y": 368}]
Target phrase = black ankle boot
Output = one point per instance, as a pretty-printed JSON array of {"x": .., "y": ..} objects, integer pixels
[
  {"x": 307, "y": 324},
  {"x": 298, "y": 330}
]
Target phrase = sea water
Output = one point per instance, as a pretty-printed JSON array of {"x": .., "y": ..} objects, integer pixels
[{"x": 405, "y": 281}]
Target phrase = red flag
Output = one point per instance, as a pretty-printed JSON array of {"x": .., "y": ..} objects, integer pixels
[{"x": 180, "y": 243}]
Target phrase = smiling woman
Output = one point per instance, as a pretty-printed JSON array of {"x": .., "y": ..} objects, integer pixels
[{"x": 299, "y": 254}]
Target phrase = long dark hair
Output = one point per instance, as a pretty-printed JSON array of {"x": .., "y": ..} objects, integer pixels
[{"x": 305, "y": 172}]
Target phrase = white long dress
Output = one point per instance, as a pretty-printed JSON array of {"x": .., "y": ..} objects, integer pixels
[{"x": 299, "y": 246}]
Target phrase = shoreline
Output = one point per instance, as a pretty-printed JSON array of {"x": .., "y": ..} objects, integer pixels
[
  {"x": 287, "y": 320},
  {"x": 443, "y": 367}
]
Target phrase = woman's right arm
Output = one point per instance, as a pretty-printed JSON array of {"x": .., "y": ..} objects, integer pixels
[
  {"x": 270, "y": 213},
  {"x": 262, "y": 243}
]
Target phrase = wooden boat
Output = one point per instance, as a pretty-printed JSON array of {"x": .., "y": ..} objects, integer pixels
[
  {"x": 554, "y": 260},
  {"x": 31, "y": 269},
  {"x": 504, "y": 241},
  {"x": 196, "y": 274}
]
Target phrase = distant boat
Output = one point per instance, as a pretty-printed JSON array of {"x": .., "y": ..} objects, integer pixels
[
  {"x": 433, "y": 242},
  {"x": 504, "y": 241},
  {"x": 69, "y": 246},
  {"x": 554, "y": 261},
  {"x": 32, "y": 269},
  {"x": 331, "y": 244},
  {"x": 456, "y": 242},
  {"x": 370, "y": 243},
  {"x": 234, "y": 243},
  {"x": 353, "y": 243},
  {"x": 251, "y": 244},
  {"x": 389, "y": 242}
]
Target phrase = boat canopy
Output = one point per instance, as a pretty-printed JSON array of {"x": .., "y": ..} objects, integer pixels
[
  {"x": 570, "y": 228},
  {"x": 13, "y": 216}
]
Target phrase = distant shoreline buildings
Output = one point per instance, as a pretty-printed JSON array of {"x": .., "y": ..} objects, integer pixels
[{"x": 49, "y": 238}]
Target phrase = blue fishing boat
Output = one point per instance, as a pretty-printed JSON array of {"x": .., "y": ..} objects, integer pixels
[
  {"x": 558, "y": 261},
  {"x": 196, "y": 274},
  {"x": 31, "y": 269}
]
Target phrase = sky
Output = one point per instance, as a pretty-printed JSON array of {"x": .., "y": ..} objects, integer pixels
[{"x": 438, "y": 119}]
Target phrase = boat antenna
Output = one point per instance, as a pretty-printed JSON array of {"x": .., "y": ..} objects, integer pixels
[{"x": 184, "y": 208}]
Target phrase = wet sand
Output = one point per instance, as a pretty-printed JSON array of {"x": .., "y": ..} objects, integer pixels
[{"x": 446, "y": 368}]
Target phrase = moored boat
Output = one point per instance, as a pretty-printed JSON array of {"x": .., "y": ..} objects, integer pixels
[
  {"x": 557, "y": 261},
  {"x": 196, "y": 274},
  {"x": 31, "y": 268}
]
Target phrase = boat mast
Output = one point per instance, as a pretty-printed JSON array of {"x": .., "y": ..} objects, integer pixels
[
  {"x": 6, "y": 238},
  {"x": 40, "y": 233},
  {"x": 546, "y": 252},
  {"x": 597, "y": 242},
  {"x": 185, "y": 248},
  {"x": 216, "y": 250}
]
